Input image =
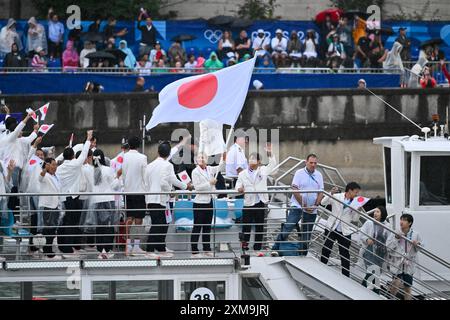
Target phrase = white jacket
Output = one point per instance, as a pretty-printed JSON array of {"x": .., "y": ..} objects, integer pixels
[
  {"x": 246, "y": 181},
  {"x": 201, "y": 179},
  {"x": 108, "y": 183},
  {"x": 133, "y": 169},
  {"x": 48, "y": 185},
  {"x": 340, "y": 214},
  {"x": 160, "y": 176},
  {"x": 403, "y": 254},
  {"x": 69, "y": 172}
]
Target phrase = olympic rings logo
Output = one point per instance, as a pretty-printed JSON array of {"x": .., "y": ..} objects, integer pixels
[{"x": 213, "y": 36}]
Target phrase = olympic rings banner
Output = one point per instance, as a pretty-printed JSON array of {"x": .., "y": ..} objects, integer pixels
[{"x": 207, "y": 36}]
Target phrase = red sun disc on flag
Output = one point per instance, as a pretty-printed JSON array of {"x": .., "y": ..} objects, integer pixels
[
  {"x": 184, "y": 177},
  {"x": 44, "y": 128},
  {"x": 361, "y": 199},
  {"x": 45, "y": 109},
  {"x": 199, "y": 92},
  {"x": 32, "y": 161},
  {"x": 120, "y": 160}
]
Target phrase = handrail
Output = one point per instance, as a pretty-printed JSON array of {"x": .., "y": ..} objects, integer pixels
[{"x": 232, "y": 192}]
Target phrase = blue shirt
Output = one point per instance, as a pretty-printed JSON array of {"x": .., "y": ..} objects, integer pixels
[
  {"x": 303, "y": 180},
  {"x": 55, "y": 29}
]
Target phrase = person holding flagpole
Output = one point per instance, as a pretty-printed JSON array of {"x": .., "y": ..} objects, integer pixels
[
  {"x": 252, "y": 179},
  {"x": 204, "y": 179}
]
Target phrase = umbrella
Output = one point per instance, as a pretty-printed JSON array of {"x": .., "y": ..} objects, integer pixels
[
  {"x": 350, "y": 14},
  {"x": 334, "y": 13},
  {"x": 241, "y": 23},
  {"x": 183, "y": 37},
  {"x": 387, "y": 31},
  {"x": 101, "y": 55},
  {"x": 118, "y": 54},
  {"x": 431, "y": 42},
  {"x": 93, "y": 36},
  {"x": 221, "y": 20}
]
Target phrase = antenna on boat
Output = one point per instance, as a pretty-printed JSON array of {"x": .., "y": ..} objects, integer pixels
[
  {"x": 446, "y": 122},
  {"x": 424, "y": 130}
]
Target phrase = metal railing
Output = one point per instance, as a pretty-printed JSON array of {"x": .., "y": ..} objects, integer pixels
[
  {"x": 224, "y": 232},
  {"x": 166, "y": 70}
]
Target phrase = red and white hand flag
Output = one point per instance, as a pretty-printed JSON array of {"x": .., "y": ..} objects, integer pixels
[
  {"x": 218, "y": 96},
  {"x": 45, "y": 128},
  {"x": 33, "y": 162},
  {"x": 184, "y": 177},
  {"x": 117, "y": 162},
  {"x": 33, "y": 115},
  {"x": 43, "y": 110},
  {"x": 358, "y": 202}
]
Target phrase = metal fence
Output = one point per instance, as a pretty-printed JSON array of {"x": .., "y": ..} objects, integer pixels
[{"x": 36, "y": 234}]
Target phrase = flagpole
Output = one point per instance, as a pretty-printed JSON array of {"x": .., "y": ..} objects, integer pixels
[{"x": 230, "y": 134}]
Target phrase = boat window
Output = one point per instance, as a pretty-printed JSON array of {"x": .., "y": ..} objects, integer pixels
[
  {"x": 408, "y": 177},
  {"x": 203, "y": 290},
  {"x": 387, "y": 170},
  {"x": 434, "y": 185}
]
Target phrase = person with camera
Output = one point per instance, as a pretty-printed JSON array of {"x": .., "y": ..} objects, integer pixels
[
  {"x": 49, "y": 183},
  {"x": 427, "y": 80}
]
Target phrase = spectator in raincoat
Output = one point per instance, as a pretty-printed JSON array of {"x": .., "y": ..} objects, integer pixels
[
  {"x": 36, "y": 36},
  {"x": 130, "y": 60},
  {"x": 394, "y": 60},
  {"x": 70, "y": 57},
  {"x": 8, "y": 36},
  {"x": 213, "y": 63}
]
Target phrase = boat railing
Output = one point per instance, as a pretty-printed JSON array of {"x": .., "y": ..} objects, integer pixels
[{"x": 227, "y": 236}]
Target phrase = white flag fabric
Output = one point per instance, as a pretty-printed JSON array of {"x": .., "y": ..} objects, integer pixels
[
  {"x": 33, "y": 162},
  {"x": 43, "y": 110},
  {"x": 184, "y": 177},
  {"x": 218, "y": 96},
  {"x": 211, "y": 138},
  {"x": 45, "y": 128},
  {"x": 358, "y": 202}
]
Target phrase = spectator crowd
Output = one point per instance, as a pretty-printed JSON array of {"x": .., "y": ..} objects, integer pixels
[{"x": 345, "y": 44}]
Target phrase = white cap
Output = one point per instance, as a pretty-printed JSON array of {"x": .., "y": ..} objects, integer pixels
[
  {"x": 260, "y": 31},
  {"x": 39, "y": 49},
  {"x": 230, "y": 55},
  {"x": 361, "y": 80},
  {"x": 279, "y": 31},
  {"x": 257, "y": 84}
]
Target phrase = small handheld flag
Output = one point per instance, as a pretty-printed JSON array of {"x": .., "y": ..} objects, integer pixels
[
  {"x": 184, "y": 177},
  {"x": 33, "y": 114},
  {"x": 43, "y": 110},
  {"x": 358, "y": 202},
  {"x": 45, "y": 128}
]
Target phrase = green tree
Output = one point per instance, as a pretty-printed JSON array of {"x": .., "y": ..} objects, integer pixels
[
  {"x": 121, "y": 9},
  {"x": 257, "y": 9},
  {"x": 360, "y": 5}
]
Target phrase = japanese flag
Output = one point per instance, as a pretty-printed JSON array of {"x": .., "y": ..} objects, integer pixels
[
  {"x": 358, "y": 202},
  {"x": 33, "y": 162},
  {"x": 33, "y": 115},
  {"x": 218, "y": 96},
  {"x": 117, "y": 162},
  {"x": 184, "y": 177},
  {"x": 43, "y": 110},
  {"x": 45, "y": 128}
]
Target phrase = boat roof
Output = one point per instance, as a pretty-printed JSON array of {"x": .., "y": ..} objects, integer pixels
[{"x": 416, "y": 143}]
